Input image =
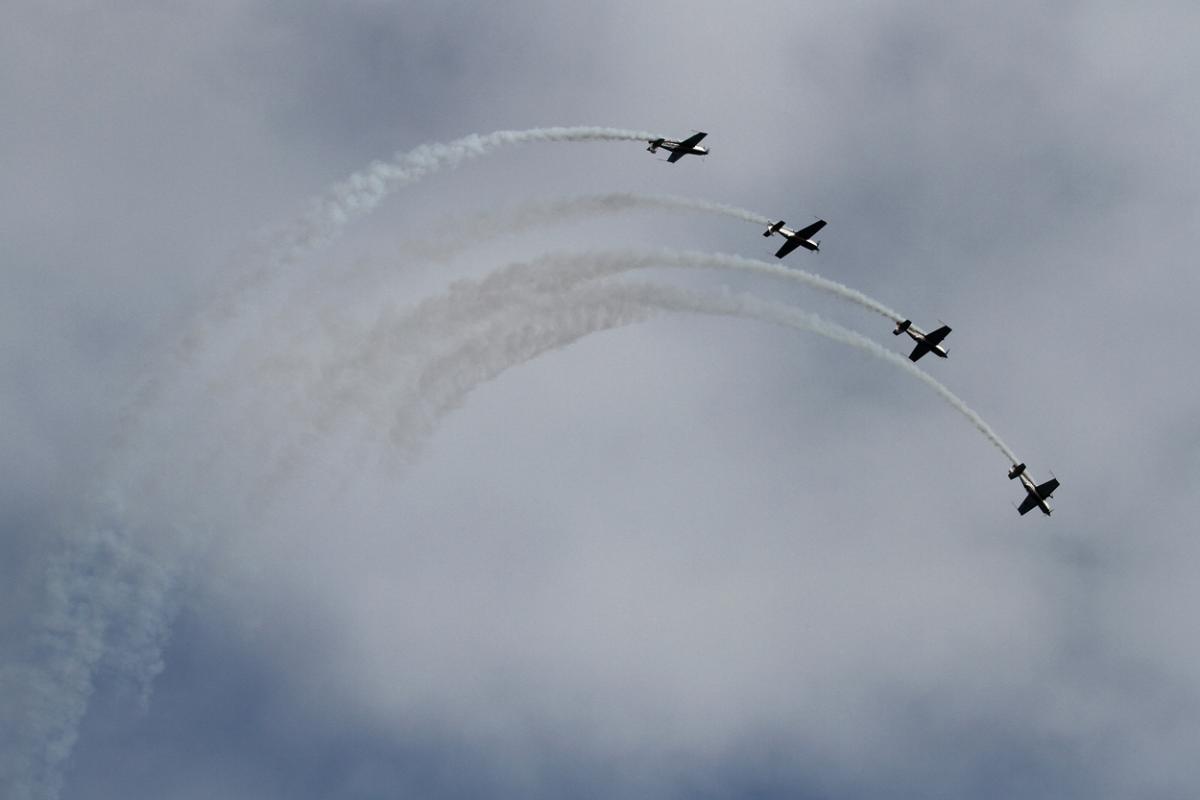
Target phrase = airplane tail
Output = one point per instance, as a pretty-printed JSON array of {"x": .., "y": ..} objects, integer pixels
[
  {"x": 654, "y": 145},
  {"x": 817, "y": 246},
  {"x": 1015, "y": 471},
  {"x": 901, "y": 328},
  {"x": 773, "y": 228}
]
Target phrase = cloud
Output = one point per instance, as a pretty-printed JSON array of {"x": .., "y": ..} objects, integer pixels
[{"x": 692, "y": 556}]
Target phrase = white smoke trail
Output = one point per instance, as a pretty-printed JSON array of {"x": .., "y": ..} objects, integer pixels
[
  {"x": 597, "y": 264},
  {"x": 537, "y": 325},
  {"x": 672, "y": 299},
  {"x": 477, "y": 229},
  {"x": 527, "y": 326},
  {"x": 107, "y": 604},
  {"x": 334, "y": 209},
  {"x": 467, "y": 304},
  {"x": 110, "y": 584},
  {"x": 96, "y": 602},
  {"x": 118, "y": 613},
  {"x": 335, "y": 383},
  {"x": 470, "y": 230},
  {"x": 363, "y": 191}
]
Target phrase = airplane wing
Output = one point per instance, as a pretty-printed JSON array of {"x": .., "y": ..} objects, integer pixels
[
  {"x": 791, "y": 244},
  {"x": 1047, "y": 488},
  {"x": 935, "y": 337},
  {"x": 921, "y": 349},
  {"x": 685, "y": 147},
  {"x": 807, "y": 233},
  {"x": 1028, "y": 504}
]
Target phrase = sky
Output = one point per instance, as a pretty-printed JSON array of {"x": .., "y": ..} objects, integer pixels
[{"x": 340, "y": 516}]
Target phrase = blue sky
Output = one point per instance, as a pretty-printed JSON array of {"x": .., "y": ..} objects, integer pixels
[{"x": 257, "y": 544}]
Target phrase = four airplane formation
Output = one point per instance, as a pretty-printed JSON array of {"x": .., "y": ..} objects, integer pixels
[{"x": 1037, "y": 495}]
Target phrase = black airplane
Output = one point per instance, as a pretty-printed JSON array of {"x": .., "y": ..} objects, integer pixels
[
  {"x": 1037, "y": 495},
  {"x": 926, "y": 342},
  {"x": 800, "y": 238},
  {"x": 679, "y": 149}
]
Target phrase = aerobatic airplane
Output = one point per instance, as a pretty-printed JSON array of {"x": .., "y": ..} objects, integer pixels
[
  {"x": 1037, "y": 496},
  {"x": 687, "y": 147},
  {"x": 926, "y": 342},
  {"x": 800, "y": 238}
]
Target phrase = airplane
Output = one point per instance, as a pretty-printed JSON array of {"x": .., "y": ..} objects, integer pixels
[
  {"x": 1037, "y": 496},
  {"x": 926, "y": 342},
  {"x": 687, "y": 147},
  {"x": 800, "y": 238}
]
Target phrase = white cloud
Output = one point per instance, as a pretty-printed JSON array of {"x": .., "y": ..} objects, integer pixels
[{"x": 692, "y": 541}]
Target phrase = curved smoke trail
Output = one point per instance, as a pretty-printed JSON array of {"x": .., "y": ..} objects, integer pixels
[
  {"x": 109, "y": 599},
  {"x": 541, "y": 324},
  {"x": 363, "y": 191},
  {"x": 330, "y": 212},
  {"x": 465, "y": 233},
  {"x": 126, "y": 598},
  {"x": 468, "y": 304},
  {"x": 611, "y": 262},
  {"x": 469, "y": 231}
]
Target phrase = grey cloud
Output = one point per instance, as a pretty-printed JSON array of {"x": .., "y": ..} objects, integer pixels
[{"x": 690, "y": 557}]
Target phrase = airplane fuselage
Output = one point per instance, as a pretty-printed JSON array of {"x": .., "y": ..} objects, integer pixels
[{"x": 673, "y": 145}]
